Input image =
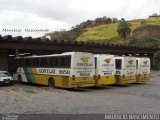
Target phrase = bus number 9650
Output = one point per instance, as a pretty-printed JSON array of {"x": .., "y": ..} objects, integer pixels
[{"x": 64, "y": 72}]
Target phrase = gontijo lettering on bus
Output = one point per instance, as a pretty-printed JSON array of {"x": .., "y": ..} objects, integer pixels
[
  {"x": 131, "y": 63},
  {"x": 107, "y": 62},
  {"x": 85, "y": 62},
  {"x": 50, "y": 71},
  {"x": 145, "y": 64},
  {"x": 46, "y": 71}
]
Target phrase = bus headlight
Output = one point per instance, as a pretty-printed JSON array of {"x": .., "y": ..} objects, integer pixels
[
  {"x": 99, "y": 76},
  {"x": 139, "y": 75},
  {"x": 73, "y": 77},
  {"x": 123, "y": 76}
]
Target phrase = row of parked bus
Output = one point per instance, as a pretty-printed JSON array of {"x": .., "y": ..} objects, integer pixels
[{"x": 82, "y": 69}]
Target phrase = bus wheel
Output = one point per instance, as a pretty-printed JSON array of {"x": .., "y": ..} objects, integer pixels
[
  {"x": 19, "y": 79},
  {"x": 51, "y": 83}
]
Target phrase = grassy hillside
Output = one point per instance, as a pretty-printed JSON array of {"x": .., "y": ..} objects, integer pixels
[
  {"x": 108, "y": 32},
  {"x": 99, "y": 33}
]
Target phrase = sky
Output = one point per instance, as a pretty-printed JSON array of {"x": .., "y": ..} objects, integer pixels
[{"x": 18, "y": 16}]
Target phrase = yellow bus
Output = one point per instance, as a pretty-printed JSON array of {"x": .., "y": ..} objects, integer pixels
[
  {"x": 142, "y": 69},
  {"x": 125, "y": 69},
  {"x": 105, "y": 69},
  {"x": 66, "y": 70}
]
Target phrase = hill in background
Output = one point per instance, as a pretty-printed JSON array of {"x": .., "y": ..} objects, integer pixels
[
  {"x": 108, "y": 32},
  {"x": 105, "y": 30},
  {"x": 80, "y": 29}
]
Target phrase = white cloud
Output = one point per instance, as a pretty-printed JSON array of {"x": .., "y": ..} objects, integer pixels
[
  {"x": 58, "y": 14},
  {"x": 19, "y": 20}
]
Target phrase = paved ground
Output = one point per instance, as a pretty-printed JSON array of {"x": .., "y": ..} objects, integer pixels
[
  {"x": 155, "y": 73},
  {"x": 135, "y": 98}
]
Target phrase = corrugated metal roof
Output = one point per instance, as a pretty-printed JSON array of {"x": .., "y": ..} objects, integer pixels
[{"x": 30, "y": 40}]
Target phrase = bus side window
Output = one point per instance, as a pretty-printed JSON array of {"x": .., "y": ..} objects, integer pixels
[
  {"x": 50, "y": 61},
  {"x": 68, "y": 61},
  {"x": 65, "y": 61},
  {"x": 136, "y": 64},
  {"x": 118, "y": 63},
  {"x": 53, "y": 61},
  {"x": 95, "y": 58},
  {"x": 35, "y": 62},
  {"x": 43, "y": 62}
]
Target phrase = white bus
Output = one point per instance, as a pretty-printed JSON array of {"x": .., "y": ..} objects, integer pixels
[
  {"x": 142, "y": 69},
  {"x": 66, "y": 70},
  {"x": 105, "y": 69},
  {"x": 125, "y": 70}
]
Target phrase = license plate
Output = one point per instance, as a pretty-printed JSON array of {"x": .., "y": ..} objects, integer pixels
[
  {"x": 84, "y": 78},
  {"x": 7, "y": 81},
  {"x": 130, "y": 76},
  {"x": 145, "y": 75}
]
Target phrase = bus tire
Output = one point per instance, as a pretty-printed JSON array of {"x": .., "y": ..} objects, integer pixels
[
  {"x": 51, "y": 83},
  {"x": 19, "y": 79}
]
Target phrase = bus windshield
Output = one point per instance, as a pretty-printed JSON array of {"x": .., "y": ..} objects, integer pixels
[{"x": 118, "y": 63}]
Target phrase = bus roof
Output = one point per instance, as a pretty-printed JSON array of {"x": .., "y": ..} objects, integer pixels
[
  {"x": 71, "y": 53},
  {"x": 65, "y": 53},
  {"x": 98, "y": 55},
  {"x": 122, "y": 57},
  {"x": 142, "y": 57}
]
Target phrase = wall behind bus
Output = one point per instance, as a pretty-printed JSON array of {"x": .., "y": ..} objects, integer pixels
[{"x": 3, "y": 61}]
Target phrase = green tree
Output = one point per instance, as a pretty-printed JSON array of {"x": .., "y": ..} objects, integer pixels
[{"x": 124, "y": 28}]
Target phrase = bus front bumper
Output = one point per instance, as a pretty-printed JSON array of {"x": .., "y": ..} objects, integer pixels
[
  {"x": 125, "y": 80},
  {"x": 104, "y": 80},
  {"x": 80, "y": 82},
  {"x": 142, "y": 78}
]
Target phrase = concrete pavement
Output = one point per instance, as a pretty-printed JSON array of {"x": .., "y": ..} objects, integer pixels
[{"x": 155, "y": 73}]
